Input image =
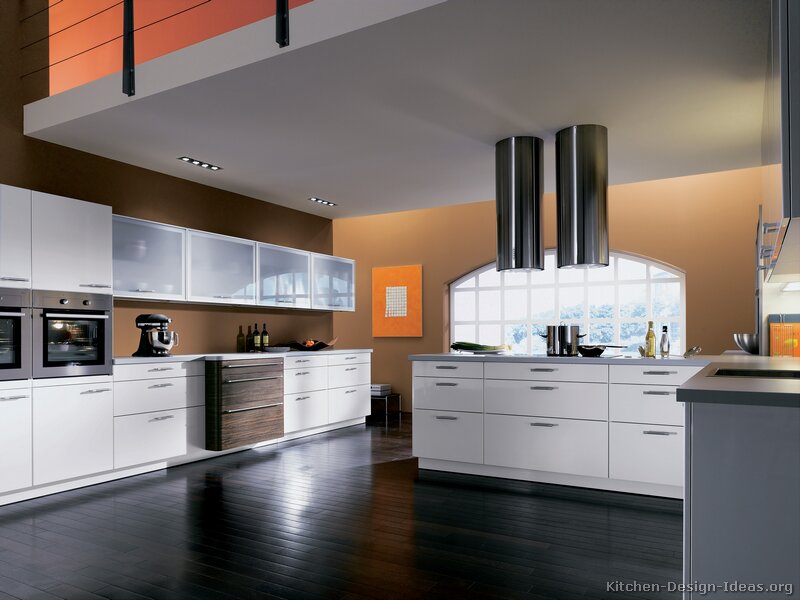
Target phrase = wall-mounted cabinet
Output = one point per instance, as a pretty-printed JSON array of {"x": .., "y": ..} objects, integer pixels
[
  {"x": 221, "y": 269},
  {"x": 283, "y": 277},
  {"x": 149, "y": 260},
  {"x": 334, "y": 283},
  {"x": 15, "y": 237}
]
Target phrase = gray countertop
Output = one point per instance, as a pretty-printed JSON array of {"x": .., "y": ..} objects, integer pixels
[
  {"x": 695, "y": 361},
  {"x": 136, "y": 360}
]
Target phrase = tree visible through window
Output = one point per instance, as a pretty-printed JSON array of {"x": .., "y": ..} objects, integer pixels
[{"x": 612, "y": 305}]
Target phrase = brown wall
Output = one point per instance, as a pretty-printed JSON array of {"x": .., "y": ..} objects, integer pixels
[
  {"x": 703, "y": 224},
  {"x": 38, "y": 165}
]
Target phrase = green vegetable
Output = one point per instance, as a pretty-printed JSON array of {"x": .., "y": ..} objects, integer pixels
[{"x": 472, "y": 347}]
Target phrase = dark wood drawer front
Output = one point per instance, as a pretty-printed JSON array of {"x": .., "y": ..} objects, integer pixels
[
  {"x": 247, "y": 392},
  {"x": 247, "y": 427},
  {"x": 237, "y": 369}
]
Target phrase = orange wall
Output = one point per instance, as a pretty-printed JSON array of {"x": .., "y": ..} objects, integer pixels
[{"x": 703, "y": 224}]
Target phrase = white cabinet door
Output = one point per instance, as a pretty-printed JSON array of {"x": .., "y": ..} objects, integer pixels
[
  {"x": 222, "y": 269},
  {"x": 15, "y": 237},
  {"x": 292, "y": 361},
  {"x": 348, "y": 375},
  {"x": 305, "y": 410},
  {"x": 16, "y": 446},
  {"x": 448, "y": 368},
  {"x": 150, "y": 395},
  {"x": 284, "y": 277},
  {"x": 450, "y": 393},
  {"x": 448, "y": 435},
  {"x": 649, "y": 453},
  {"x": 655, "y": 374},
  {"x": 547, "y": 399},
  {"x": 334, "y": 283},
  {"x": 73, "y": 431},
  {"x": 71, "y": 245},
  {"x": 645, "y": 404},
  {"x": 542, "y": 444},
  {"x": 549, "y": 371},
  {"x": 348, "y": 403},
  {"x": 149, "y": 437},
  {"x": 349, "y": 359},
  {"x": 149, "y": 260},
  {"x": 305, "y": 380}
]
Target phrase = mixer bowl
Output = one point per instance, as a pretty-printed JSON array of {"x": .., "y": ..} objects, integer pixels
[{"x": 747, "y": 342}]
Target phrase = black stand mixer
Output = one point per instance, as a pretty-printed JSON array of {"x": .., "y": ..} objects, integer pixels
[{"x": 156, "y": 339}]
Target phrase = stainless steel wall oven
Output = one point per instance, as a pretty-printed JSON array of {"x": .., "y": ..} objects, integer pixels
[{"x": 15, "y": 334}]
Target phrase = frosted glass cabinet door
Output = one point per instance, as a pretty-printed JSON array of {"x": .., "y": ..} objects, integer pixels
[
  {"x": 283, "y": 277},
  {"x": 148, "y": 260},
  {"x": 222, "y": 269},
  {"x": 334, "y": 282}
]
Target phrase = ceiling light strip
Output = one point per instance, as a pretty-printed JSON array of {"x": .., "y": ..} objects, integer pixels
[
  {"x": 321, "y": 201},
  {"x": 200, "y": 163}
]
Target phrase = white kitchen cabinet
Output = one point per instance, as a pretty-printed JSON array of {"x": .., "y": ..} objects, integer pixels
[
  {"x": 655, "y": 374},
  {"x": 448, "y": 368},
  {"x": 283, "y": 277},
  {"x": 305, "y": 410},
  {"x": 149, "y": 437},
  {"x": 71, "y": 246},
  {"x": 649, "y": 453},
  {"x": 73, "y": 431},
  {"x": 308, "y": 379},
  {"x": 448, "y": 435},
  {"x": 348, "y": 375},
  {"x": 221, "y": 269},
  {"x": 452, "y": 393},
  {"x": 16, "y": 440},
  {"x": 645, "y": 404},
  {"x": 569, "y": 446},
  {"x": 333, "y": 283},
  {"x": 349, "y": 359},
  {"x": 149, "y": 260},
  {"x": 547, "y": 398},
  {"x": 296, "y": 362},
  {"x": 550, "y": 371},
  {"x": 15, "y": 237},
  {"x": 348, "y": 403}
]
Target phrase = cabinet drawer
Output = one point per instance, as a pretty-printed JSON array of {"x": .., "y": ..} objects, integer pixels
[
  {"x": 645, "y": 404},
  {"x": 655, "y": 374},
  {"x": 148, "y": 395},
  {"x": 541, "y": 444},
  {"x": 16, "y": 440},
  {"x": 649, "y": 453},
  {"x": 250, "y": 392},
  {"x": 348, "y": 359},
  {"x": 305, "y": 410},
  {"x": 449, "y": 368},
  {"x": 248, "y": 426},
  {"x": 348, "y": 403},
  {"x": 187, "y": 368},
  {"x": 305, "y": 380},
  {"x": 238, "y": 369},
  {"x": 149, "y": 437},
  {"x": 348, "y": 375},
  {"x": 547, "y": 399},
  {"x": 448, "y": 394},
  {"x": 448, "y": 435},
  {"x": 297, "y": 362},
  {"x": 551, "y": 371}
]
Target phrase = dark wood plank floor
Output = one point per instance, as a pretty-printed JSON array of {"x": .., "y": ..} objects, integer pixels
[{"x": 339, "y": 515}]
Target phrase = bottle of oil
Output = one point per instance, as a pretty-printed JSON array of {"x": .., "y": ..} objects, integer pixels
[
  {"x": 650, "y": 341},
  {"x": 663, "y": 346}
]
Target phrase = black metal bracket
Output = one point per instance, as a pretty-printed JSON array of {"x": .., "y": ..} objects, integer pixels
[
  {"x": 128, "y": 66},
  {"x": 282, "y": 23}
]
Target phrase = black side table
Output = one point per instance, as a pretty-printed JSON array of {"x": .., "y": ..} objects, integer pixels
[{"x": 386, "y": 399}]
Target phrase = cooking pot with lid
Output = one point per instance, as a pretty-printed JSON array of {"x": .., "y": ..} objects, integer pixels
[{"x": 563, "y": 340}]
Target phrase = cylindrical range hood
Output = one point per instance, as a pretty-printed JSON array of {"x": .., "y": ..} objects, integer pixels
[
  {"x": 581, "y": 191},
  {"x": 518, "y": 175}
]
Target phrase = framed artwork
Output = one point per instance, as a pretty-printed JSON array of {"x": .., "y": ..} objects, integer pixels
[{"x": 397, "y": 301}]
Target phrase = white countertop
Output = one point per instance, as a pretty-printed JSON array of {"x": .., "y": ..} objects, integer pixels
[{"x": 135, "y": 360}]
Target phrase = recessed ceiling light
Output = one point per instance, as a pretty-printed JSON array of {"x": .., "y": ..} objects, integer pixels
[
  {"x": 199, "y": 163},
  {"x": 321, "y": 201}
]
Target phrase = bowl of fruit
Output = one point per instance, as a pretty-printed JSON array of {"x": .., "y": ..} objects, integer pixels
[{"x": 310, "y": 344}]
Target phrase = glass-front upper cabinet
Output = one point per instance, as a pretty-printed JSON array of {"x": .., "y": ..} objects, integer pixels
[
  {"x": 221, "y": 269},
  {"x": 283, "y": 277},
  {"x": 148, "y": 260},
  {"x": 334, "y": 283}
]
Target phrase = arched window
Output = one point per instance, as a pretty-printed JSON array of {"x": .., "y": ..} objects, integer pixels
[{"x": 612, "y": 305}]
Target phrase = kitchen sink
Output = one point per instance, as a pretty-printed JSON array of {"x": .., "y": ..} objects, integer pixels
[{"x": 760, "y": 373}]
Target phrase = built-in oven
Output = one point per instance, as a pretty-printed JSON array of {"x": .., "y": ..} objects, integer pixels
[
  {"x": 71, "y": 334},
  {"x": 15, "y": 334}
]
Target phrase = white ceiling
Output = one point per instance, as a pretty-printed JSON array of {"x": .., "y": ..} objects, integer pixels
[{"x": 405, "y": 113}]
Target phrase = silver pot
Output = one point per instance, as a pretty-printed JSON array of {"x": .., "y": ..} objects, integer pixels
[{"x": 563, "y": 340}]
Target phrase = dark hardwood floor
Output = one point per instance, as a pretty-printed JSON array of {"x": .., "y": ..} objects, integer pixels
[{"x": 338, "y": 515}]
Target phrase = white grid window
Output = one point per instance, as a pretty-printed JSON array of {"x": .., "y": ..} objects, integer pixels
[{"x": 612, "y": 305}]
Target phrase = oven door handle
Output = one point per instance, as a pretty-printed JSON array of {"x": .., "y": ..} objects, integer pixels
[
  {"x": 12, "y": 314},
  {"x": 76, "y": 316}
]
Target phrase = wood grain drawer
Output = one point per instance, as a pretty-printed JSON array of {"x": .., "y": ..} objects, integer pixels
[
  {"x": 245, "y": 427},
  {"x": 348, "y": 375},
  {"x": 655, "y": 404},
  {"x": 238, "y": 369},
  {"x": 448, "y": 368},
  {"x": 448, "y": 435},
  {"x": 307, "y": 379},
  {"x": 649, "y": 453},
  {"x": 542, "y": 444},
  {"x": 448, "y": 394},
  {"x": 348, "y": 403},
  {"x": 305, "y": 410},
  {"x": 549, "y": 371},
  {"x": 247, "y": 392},
  {"x": 148, "y": 395},
  {"x": 348, "y": 359},
  {"x": 298, "y": 362},
  {"x": 149, "y": 437},
  {"x": 188, "y": 368},
  {"x": 655, "y": 374},
  {"x": 547, "y": 399}
]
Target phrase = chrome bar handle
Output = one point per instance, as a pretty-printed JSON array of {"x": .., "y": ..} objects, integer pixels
[
  {"x": 446, "y": 418},
  {"x": 654, "y": 432},
  {"x": 544, "y": 387},
  {"x": 246, "y": 379},
  {"x": 446, "y": 367},
  {"x": 655, "y": 393},
  {"x": 159, "y": 385},
  {"x": 238, "y": 410},
  {"x": 23, "y": 279},
  {"x": 536, "y": 424},
  {"x": 96, "y": 391},
  {"x": 542, "y": 370},
  {"x": 273, "y": 364},
  {"x": 10, "y": 398},
  {"x": 659, "y": 372},
  {"x": 443, "y": 384},
  {"x": 158, "y": 369},
  {"x": 164, "y": 418}
]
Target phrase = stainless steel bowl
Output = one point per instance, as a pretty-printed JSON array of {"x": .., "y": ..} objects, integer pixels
[{"x": 747, "y": 342}]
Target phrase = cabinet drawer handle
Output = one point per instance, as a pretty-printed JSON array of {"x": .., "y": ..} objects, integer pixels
[
  {"x": 158, "y": 369},
  {"x": 654, "y": 432},
  {"x": 141, "y": 291},
  {"x": 302, "y": 398},
  {"x": 302, "y": 360},
  {"x": 10, "y": 398},
  {"x": 544, "y": 424},
  {"x": 350, "y": 357},
  {"x": 285, "y": 301},
  {"x": 351, "y": 391},
  {"x": 164, "y": 418},
  {"x": 302, "y": 373},
  {"x": 223, "y": 297},
  {"x": 246, "y": 379},
  {"x": 543, "y": 370},
  {"x": 94, "y": 285},
  {"x": 659, "y": 372},
  {"x": 448, "y": 367},
  {"x": 272, "y": 364},
  {"x": 97, "y": 391},
  {"x": 238, "y": 410},
  {"x": 656, "y": 393},
  {"x": 442, "y": 384},
  {"x": 14, "y": 278},
  {"x": 544, "y": 388},
  {"x": 444, "y": 418},
  {"x": 159, "y": 385},
  {"x": 351, "y": 369}
]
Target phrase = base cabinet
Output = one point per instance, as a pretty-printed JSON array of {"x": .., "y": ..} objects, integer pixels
[
  {"x": 16, "y": 439},
  {"x": 349, "y": 403},
  {"x": 448, "y": 435},
  {"x": 149, "y": 437},
  {"x": 305, "y": 410},
  {"x": 650, "y": 453}
]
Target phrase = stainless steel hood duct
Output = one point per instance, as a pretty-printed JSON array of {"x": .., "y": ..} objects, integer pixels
[
  {"x": 581, "y": 196},
  {"x": 518, "y": 175}
]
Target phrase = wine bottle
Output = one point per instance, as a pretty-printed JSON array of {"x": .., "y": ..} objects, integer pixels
[
  {"x": 264, "y": 336},
  {"x": 650, "y": 341},
  {"x": 256, "y": 340},
  {"x": 249, "y": 340},
  {"x": 663, "y": 346},
  {"x": 240, "y": 343}
]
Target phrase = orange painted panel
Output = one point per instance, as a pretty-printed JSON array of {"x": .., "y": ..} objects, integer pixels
[
  {"x": 397, "y": 301},
  {"x": 84, "y": 47}
]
